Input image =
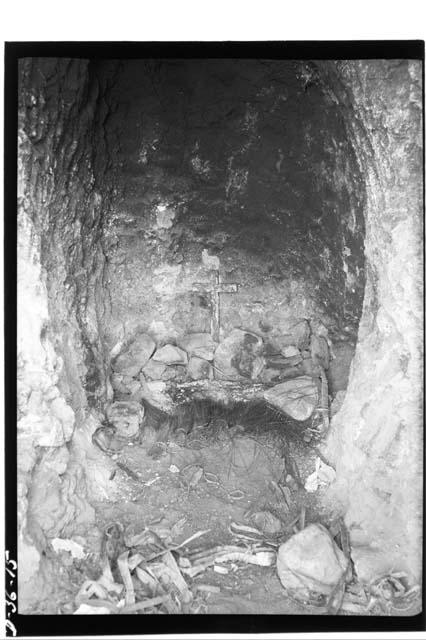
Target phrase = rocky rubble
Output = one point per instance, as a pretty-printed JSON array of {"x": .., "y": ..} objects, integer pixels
[{"x": 289, "y": 376}]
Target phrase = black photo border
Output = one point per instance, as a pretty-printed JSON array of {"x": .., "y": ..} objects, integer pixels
[{"x": 50, "y": 625}]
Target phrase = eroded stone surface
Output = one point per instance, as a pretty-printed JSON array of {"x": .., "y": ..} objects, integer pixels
[
  {"x": 376, "y": 438},
  {"x": 60, "y": 274}
]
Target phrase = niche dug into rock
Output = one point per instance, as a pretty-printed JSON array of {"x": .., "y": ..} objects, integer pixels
[{"x": 218, "y": 380}]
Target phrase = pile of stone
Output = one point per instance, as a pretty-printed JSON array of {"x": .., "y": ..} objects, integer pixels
[{"x": 289, "y": 372}]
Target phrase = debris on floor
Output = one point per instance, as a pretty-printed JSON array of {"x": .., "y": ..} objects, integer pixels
[
  {"x": 219, "y": 515},
  {"x": 148, "y": 576},
  {"x": 323, "y": 475},
  {"x": 74, "y": 548}
]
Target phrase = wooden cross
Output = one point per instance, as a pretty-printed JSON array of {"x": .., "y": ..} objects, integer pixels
[{"x": 215, "y": 289}]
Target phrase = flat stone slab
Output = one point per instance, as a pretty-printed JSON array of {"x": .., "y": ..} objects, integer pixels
[
  {"x": 297, "y": 397},
  {"x": 134, "y": 356}
]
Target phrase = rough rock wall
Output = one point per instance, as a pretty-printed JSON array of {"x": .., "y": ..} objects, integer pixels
[
  {"x": 246, "y": 160},
  {"x": 61, "y": 200},
  {"x": 376, "y": 440}
]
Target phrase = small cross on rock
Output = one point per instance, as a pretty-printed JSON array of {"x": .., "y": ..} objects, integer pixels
[{"x": 215, "y": 289}]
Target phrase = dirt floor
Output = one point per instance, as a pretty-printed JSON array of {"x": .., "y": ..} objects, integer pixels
[
  {"x": 206, "y": 485},
  {"x": 214, "y": 478}
]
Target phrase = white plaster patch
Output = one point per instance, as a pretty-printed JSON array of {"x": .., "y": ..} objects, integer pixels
[
  {"x": 75, "y": 549},
  {"x": 210, "y": 262},
  {"x": 166, "y": 278},
  {"x": 165, "y": 217}
]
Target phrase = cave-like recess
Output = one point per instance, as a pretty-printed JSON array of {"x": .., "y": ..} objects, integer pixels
[{"x": 305, "y": 178}]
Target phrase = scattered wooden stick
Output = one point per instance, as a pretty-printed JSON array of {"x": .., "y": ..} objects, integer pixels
[
  {"x": 261, "y": 558},
  {"x": 324, "y": 409},
  {"x": 344, "y": 539},
  {"x": 179, "y": 546},
  {"x": 144, "y": 604},
  {"x": 123, "y": 566},
  {"x": 207, "y": 588},
  {"x": 99, "y": 602},
  {"x": 213, "y": 551},
  {"x": 235, "y": 526}
]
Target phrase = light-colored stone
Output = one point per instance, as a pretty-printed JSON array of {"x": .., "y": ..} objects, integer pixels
[
  {"x": 290, "y": 351},
  {"x": 210, "y": 262},
  {"x": 154, "y": 370},
  {"x": 310, "y": 561},
  {"x": 165, "y": 217},
  {"x": 198, "y": 368},
  {"x": 297, "y": 397},
  {"x": 169, "y": 354},
  {"x": 134, "y": 356},
  {"x": 126, "y": 417},
  {"x": 155, "y": 392},
  {"x": 198, "y": 344}
]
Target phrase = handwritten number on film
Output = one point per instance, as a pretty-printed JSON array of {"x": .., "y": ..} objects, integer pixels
[{"x": 11, "y": 568}]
